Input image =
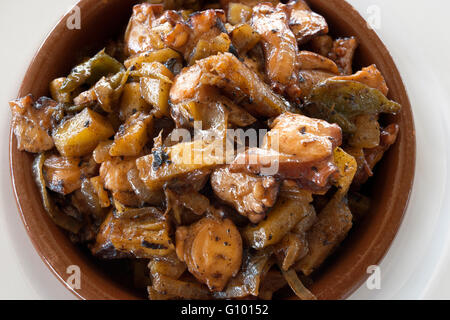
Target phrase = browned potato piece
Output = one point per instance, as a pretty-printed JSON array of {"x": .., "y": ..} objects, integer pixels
[
  {"x": 81, "y": 134},
  {"x": 131, "y": 101},
  {"x": 187, "y": 198},
  {"x": 212, "y": 250},
  {"x": 206, "y": 48},
  {"x": 165, "y": 164},
  {"x": 62, "y": 97},
  {"x": 294, "y": 246},
  {"x": 156, "y": 92},
  {"x": 144, "y": 236},
  {"x": 132, "y": 136},
  {"x": 284, "y": 216},
  {"x": 332, "y": 226},
  {"x": 155, "y": 82},
  {"x": 188, "y": 290},
  {"x": 347, "y": 168},
  {"x": 244, "y": 38},
  {"x": 334, "y": 221},
  {"x": 238, "y": 13}
]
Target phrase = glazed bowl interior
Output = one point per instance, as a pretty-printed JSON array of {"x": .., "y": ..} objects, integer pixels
[{"x": 366, "y": 244}]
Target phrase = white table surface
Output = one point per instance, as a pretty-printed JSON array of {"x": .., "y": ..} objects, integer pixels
[{"x": 415, "y": 33}]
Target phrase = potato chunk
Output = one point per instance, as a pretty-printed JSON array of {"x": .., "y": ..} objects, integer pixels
[
  {"x": 61, "y": 97},
  {"x": 210, "y": 47},
  {"x": 131, "y": 101},
  {"x": 238, "y": 13},
  {"x": 244, "y": 38},
  {"x": 156, "y": 92},
  {"x": 144, "y": 236},
  {"x": 165, "y": 164},
  {"x": 212, "y": 250},
  {"x": 132, "y": 136},
  {"x": 285, "y": 215},
  {"x": 332, "y": 226},
  {"x": 80, "y": 135}
]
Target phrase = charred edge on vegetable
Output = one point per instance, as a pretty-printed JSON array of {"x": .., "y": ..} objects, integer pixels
[
  {"x": 160, "y": 157},
  {"x": 42, "y": 102},
  {"x": 170, "y": 64},
  {"x": 234, "y": 52},
  {"x": 221, "y": 26},
  {"x": 154, "y": 246}
]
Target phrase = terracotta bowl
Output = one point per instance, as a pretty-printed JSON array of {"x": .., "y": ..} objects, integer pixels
[{"x": 367, "y": 243}]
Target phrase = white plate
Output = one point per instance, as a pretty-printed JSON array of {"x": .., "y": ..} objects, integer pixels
[{"x": 415, "y": 266}]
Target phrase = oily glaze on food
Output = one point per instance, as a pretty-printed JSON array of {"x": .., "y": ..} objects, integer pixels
[{"x": 111, "y": 174}]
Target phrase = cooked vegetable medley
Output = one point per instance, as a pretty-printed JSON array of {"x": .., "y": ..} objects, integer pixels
[{"x": 114, "y": 173}]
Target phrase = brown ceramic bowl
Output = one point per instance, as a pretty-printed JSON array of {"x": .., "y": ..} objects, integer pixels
[{"x": 368, "y": 241}]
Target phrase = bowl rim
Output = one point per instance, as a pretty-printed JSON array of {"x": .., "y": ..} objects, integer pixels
[{"x": 84, "y": 294}]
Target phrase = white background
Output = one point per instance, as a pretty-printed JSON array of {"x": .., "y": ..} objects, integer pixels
[{"x": 415, "y": 32}]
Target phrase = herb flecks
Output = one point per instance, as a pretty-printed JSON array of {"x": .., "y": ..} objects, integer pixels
[{"x": 160, "y": 157}]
